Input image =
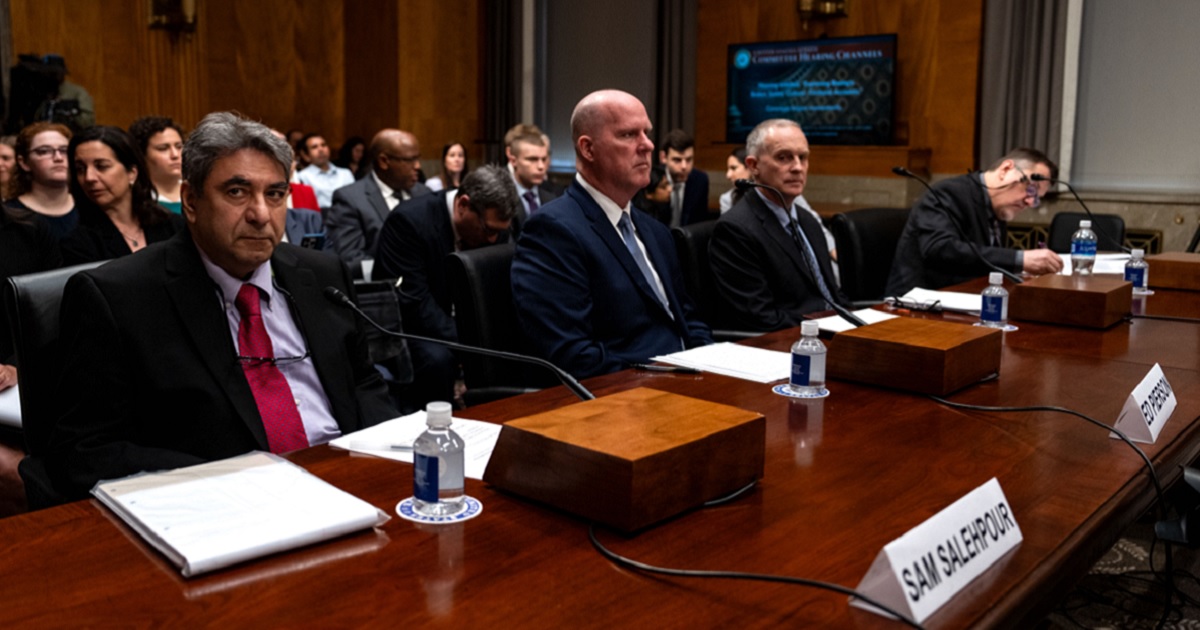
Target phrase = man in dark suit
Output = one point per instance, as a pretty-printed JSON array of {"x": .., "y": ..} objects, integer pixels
[
  {"x": 952, "y": 231},
  {"x": 689, "y": 187},
  {"x": 528, "y": 152},
  {"x": 216, "y": 342},
  {"x": 414, "y": 244},
  {"x": 596, "y": 283},
  {"x": 359, "y": 210},
  {"x": 768, "y": 256}
]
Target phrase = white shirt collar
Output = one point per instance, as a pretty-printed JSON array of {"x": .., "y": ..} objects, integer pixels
[
  {"x": 388, "y": 194},
  {"x": 229, "y": 285},
  {"x": 610, "y": 207}
]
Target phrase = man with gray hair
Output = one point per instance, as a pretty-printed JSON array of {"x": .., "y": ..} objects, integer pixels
[
  {"x": 216, "y": 342},
  {"x": 769, "y": 260},
  {"x": 413, "y": 246}
]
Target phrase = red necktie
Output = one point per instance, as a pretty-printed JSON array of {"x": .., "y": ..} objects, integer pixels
[{"x": 280, "y": 418}]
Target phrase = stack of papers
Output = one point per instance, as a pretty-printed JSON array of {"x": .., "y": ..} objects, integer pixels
[
  {"x": 393, "y": 439},
  {"x": 10, "y": 407},
  {"x": 214, "y": 515},
  {"x": 730, "y": 359},
  {"x": 948, "y": 300},
  {"x": 835, "y": 323}
]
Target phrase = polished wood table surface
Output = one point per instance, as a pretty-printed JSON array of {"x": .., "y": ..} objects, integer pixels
[{"x": 844, "y": 476}]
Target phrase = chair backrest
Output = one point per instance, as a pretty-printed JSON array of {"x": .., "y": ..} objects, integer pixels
[
  {"x": 1195, "y": 241},
  {"x": 691, "y": 246},
  {"x": 381, "y": 303},
  {"x": 1109, "y": 229},
  {"x": 866, "y": 244},
  {"x": 32, "y": 303},
  {"x": 481, "y": 291}
]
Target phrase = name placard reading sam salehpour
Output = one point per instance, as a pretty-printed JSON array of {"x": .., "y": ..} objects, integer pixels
[{"x": 920, "y": 571}]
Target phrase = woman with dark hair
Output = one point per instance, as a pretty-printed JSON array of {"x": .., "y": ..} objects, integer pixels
[
  {"x": 453, "y": 169},
  {"x": 655, "y": 198},
  {"x": 161, "y": 142},
  {"x": 735, "y": 169},
  {"x": 117, "y": 212},
  {"x": 350, "y": 156},
  {"x": 41, "y": 183}
]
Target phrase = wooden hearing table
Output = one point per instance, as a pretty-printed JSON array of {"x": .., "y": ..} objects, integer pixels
[{"x": 844, "y": 476}]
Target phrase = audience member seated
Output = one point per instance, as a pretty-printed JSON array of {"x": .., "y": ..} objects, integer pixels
[
  {"x": 217, "y": 343},
  {"x": 689, "y": 186},
  {"x": 414, "y": 244},
  {"x": 735, "y": 169},
  {"x": 359, "y": 210},
  {"x": 8, "y": 166},
  {"x": 42, "y": 173},
  {"x": 117, "y": 212},
  {"x": 597, "y": 285},
  {"x": 452, "y": 170},
  {"x": 769, "y": 261},
  {"x": 956, "y": 230},
  {"x": 321, "y": 174},
  {"x": 161, "y": 142},
  {"x": 528, "y": 153},
  {"x": 350, "y": 156},
  {"x": 655, "y": 198}
]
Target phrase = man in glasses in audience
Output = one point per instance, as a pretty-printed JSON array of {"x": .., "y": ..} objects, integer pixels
[
  {"x": 413, "y": 246},
  {"x": 959, "y": 225},
  {"x": 359, "y": 210},
  {"x": 216, "y": 342}
]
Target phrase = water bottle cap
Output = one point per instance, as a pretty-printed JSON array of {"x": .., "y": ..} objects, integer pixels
[
  {"x": 995, "y": 277},
  {"x": 437, "y": 414},
  {"x": 1138, "y": 253},
  {"x": 809, "y": 329},
  {"x": 1085, "y": 224}
]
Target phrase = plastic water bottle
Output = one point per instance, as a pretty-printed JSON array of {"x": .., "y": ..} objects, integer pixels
[
  {"x": 1083, "y": 249},
  {"x": 438, "y": 465},
  {"x": 994, "y": 311},
  {"x": 1137, "y": 271},
  {"x": 808, "y": 363}
]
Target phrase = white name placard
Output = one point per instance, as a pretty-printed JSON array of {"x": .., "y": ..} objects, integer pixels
[
  {"x": 920, "y": 571},
  {"x": 1147, "y": 409}
]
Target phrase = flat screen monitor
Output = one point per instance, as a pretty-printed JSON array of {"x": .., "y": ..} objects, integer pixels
[{"x": 839, "y": 90}]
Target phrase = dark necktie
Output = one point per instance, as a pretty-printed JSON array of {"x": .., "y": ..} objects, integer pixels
[
  {"x": 272, "y": 395},
  {"x": 625, "y": 227},
  {"x": 810, "y": 257},
  {"x": 531, "y": 200}
]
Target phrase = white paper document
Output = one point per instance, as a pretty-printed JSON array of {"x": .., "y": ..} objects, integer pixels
[
  {"x": 947, "y": 300},
  {"x": 10, "y": 407},
  {"x": 389, "y": 438},
  {"x": 835, "y": 323},
  {"x": 214, "y": 515},
  {"x": 730, "y": 359},
  {"x": 1105, "y": 263}
]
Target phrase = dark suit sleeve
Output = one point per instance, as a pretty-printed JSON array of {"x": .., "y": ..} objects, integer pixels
[
  {"x": 403, "y": 253},
  {"x": 942, "y": 245},
  {"x": 343, "y": 227},
  {"x": 553, "y": 298},
  {"x": 738, "y": 262},
  {"x": 94, "y": 437}
]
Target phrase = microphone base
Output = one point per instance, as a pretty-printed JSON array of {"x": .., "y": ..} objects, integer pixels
[{"x": 926, "y": 356}]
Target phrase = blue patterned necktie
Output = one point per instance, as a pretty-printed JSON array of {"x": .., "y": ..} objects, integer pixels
[
  {"x": 810, "y": 257},
  {"x": 625, "y": 227}
]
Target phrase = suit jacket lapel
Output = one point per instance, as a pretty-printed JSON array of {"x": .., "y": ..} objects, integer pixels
[
  {"x": 375, "y": 197},
  {"x": 198, "y": 307},
  {"x": 608, "y": 234},
  {"x": 780, "y": 237}
]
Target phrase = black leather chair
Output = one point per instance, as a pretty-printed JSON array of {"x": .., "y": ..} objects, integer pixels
[
  {"x": 866, "y": 244},
  {"x": 691, "y": 246},
  {"x": 1109, "y": 229},
  {"x": 32, "y": 304},
  {"x": 481, "y": 290},
  {"x": 1191, "y": 248}
]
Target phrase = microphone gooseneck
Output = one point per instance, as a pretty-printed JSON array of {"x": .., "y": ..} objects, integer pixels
[
  {"x": 937, "y": 199},
  {"x": 1038, "y": 177},
  {"x": 340, "y": 299},
  {"x": 743, "y": 185}
]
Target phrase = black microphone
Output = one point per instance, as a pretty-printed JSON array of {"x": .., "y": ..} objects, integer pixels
[
  {"x": 337, "y": 297},
  {"x": 743, "y": 185},
  {"x": 937, "y": 199},
  {"x": 1038, "y": 177}
]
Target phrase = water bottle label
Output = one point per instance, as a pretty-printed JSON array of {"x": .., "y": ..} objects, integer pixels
[
  {"x": 425, "y": 477},
  {"x": 1083, "y": 248},
  {"x": 801, "y": 370},
  {"x": 1136, "y": 276},
  {"x": 994, "y": 309}
]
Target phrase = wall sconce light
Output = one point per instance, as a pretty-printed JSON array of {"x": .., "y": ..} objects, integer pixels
[
  {"x": 819, "y": 10},
  {"x": 173, "y": 15}
]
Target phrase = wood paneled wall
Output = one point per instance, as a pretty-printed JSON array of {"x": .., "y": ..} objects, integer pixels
[
  {"x": 339, "y": 67},
  {"x": 938, "y": 43}
]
